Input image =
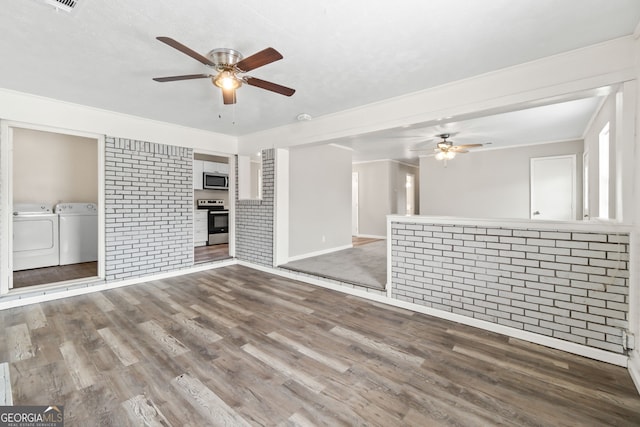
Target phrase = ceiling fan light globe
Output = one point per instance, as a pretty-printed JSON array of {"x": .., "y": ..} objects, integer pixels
[
  {"x": 226, "y": 80},
  {"x": 449, "y": 155},
  {"x": 440, "y": 155}
]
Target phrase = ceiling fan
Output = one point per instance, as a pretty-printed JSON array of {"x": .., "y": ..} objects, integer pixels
[
  {"x": 445, "y": 150},
  {"x": 226, "y": 65}
]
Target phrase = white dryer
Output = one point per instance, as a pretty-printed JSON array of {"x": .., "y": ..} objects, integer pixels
[
  {"x": 78, "y": 232},
  {"x": 35, "y": 236}
]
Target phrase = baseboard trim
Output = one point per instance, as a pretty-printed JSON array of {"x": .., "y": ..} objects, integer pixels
[
  {"x": 318, "y": 253},
  {"x": 371, "y": 236},
  {"x": 569, "y": 347},
  {"x": 74, "y": 289},
  {"x": 317, "y": 281},
  {"x": 634, "y": 369}
]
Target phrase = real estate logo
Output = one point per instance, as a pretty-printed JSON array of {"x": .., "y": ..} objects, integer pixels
[{"x": 31, "y": 416}]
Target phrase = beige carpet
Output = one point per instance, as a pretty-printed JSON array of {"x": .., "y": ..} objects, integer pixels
[{"x": 364, "y": 265}]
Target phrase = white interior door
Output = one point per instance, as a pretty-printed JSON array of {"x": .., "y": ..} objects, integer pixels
[
  {"x": 354, "y": 203},
  {"x": 553, "y": 188}
]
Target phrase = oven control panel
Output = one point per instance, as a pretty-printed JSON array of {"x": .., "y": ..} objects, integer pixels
[{"x": 210, "y": 203}]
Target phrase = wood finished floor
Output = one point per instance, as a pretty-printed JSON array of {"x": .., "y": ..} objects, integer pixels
[
  {"x": 210, "y": 253},
  {"x": 235, "y": 346},
  {"x": 58, "y": 273},
  {"x": 61, "y": 273}
]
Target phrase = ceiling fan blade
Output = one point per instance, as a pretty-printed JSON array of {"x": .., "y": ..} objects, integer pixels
[
  {"x": 229, "y": 96},
  {"x": 264, "y": 57},
  {"x": 185, "y": 77},
  {"x": 263, "y": 84},
  {"x": 184, "y": 49},
  {"x": 469, "y": 145},
  {"x": 458, "y": 150}
]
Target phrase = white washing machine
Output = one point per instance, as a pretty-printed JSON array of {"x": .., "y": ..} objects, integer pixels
[
  {"x": 78, "y": 232},
  {"x": 35, "y": 236}
]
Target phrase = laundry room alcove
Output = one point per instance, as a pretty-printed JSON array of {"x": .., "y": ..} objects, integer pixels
[{"x": 55, "y": 204}]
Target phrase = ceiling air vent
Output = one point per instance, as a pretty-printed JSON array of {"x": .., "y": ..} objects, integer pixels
[{"x": 66, "y": 5}]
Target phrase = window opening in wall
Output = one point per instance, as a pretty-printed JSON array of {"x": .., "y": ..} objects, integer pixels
[
  {"x": 603, "y": 173},
  {"x": 250, "y": 177},
  {"x": 585, "y": 185},
  {"x": 411, "y": 195}
]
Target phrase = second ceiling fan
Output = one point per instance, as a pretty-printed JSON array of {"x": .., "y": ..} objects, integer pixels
[
  {"x": 227, "y": 65},
  {"x": 445, "y": 150}
]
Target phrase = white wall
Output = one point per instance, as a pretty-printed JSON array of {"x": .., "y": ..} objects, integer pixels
[
  {"x": 381, "y": 192},
  {"x": 25, "y": 108},
  {"x": 488, "y": 184},
  {"x": 319, "y": 199},
  {"x": 374, "y": 197},
  {"x": 634, "y": 277},
  {"x": 50, "y": 168}
]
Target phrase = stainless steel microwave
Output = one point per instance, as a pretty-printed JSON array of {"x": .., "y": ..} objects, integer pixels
[{"x": 215, "y": 181}]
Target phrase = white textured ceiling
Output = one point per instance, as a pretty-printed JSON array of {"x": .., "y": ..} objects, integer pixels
[
  {"x": 554, "y": 122},
  {"x": 337, "y": 54}
]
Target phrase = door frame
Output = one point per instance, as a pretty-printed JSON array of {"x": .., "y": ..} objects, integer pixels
[
  {"x": 6, "y": 198},
  {"x": 572, "y": 157},
  {"x": 355, "y": 203}
]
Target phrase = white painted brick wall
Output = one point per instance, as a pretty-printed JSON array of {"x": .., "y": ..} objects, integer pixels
[
  {"x": 254, "y": 218},
  {"x": 567, "y": 285},
  {"x": 148, "y": 208}
]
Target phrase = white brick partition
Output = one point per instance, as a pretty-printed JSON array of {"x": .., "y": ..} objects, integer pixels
[
  {"x": 148, "y": 208},
  {"x": 255, "y": 218},
  {"x": 563, "y": 280}
]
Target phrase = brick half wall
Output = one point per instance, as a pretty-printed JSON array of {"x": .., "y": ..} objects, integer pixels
[
  {"x": 562, "y": 284},
  {"x": 255, "y": 218},
  {"x": 148, "y": 208}
]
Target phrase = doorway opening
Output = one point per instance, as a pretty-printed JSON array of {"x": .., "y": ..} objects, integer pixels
[
  {"x": 53, "y": 199},
  {"x": 211, "y": 225},
  {"x": 354, "y": 204}
]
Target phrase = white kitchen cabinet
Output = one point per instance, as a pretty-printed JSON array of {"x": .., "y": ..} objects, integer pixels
[
  {"x": 198, "y": 168},
  {"x": 216, "y": 167},
  {"x": 200, "y": 227}
]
